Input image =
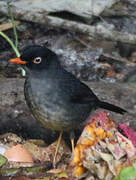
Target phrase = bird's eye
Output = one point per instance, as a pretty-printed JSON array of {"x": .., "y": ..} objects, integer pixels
[{"x": 37, "y": 60}]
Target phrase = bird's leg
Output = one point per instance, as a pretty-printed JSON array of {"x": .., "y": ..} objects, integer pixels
[
  {"x": 57, "y": 148},
  {"x": 72, "y": 136}
]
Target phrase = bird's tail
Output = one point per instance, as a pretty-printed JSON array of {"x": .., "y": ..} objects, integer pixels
[{"x": 111, "y": 107}]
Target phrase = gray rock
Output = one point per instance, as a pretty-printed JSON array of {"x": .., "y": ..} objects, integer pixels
[{"x": 85, "y": 9}]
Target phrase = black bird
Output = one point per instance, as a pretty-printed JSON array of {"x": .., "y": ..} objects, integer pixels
[{"x": 55, "y": 97}]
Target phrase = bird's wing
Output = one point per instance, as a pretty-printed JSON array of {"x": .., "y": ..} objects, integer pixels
[
  {"x": 83, "y": 95},
  {"x": 79, "y": 92}
]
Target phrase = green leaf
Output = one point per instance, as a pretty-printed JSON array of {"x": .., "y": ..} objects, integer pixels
[
  {"x": 3, "y": 160},
  {"x": 128, "y": 173}
]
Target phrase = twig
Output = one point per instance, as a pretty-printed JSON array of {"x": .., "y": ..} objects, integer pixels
[
  {"x": 83, "y": 43},
  {"x": 6, "y": 26},
  {"x": 107, "y": 56},
  {"x": 119, "y": 59}
]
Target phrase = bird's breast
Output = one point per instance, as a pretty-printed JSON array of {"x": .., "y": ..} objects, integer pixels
[{"x": 49, "y": 106}]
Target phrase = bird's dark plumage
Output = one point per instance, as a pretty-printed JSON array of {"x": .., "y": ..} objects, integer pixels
[{"x": 56, "y": 98}]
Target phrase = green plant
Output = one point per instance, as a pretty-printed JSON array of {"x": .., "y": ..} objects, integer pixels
[
  {"x": 14, "y": 45},
  {"x": 11, "y": 43}
]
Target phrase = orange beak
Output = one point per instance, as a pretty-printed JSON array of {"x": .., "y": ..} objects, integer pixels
[{"x": 17, "y": 61}]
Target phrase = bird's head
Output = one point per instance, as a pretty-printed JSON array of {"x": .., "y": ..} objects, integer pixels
[{"x": 35, "y": 57}]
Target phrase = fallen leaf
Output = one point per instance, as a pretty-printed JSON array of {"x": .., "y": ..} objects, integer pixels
[{"x": 6, "y": 26}]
